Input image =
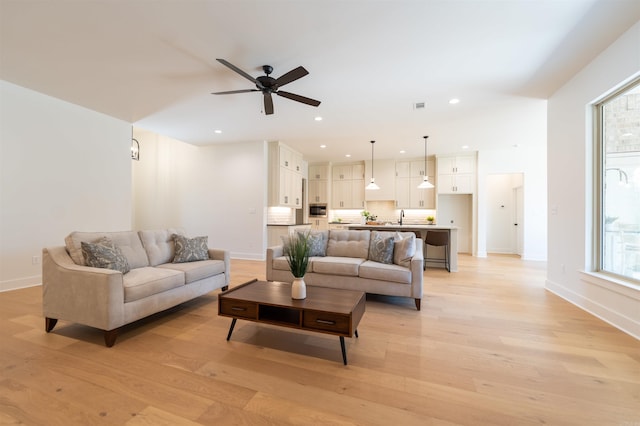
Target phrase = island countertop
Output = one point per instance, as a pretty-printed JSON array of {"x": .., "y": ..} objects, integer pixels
[
  {"x": 396, "y": 226},
  {"x": 422, "y": 230}
]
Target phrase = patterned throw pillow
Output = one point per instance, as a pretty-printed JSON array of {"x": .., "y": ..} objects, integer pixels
[
  {"x": 404, "y": 249},
  {"x": 104, "y": 254},
  {"x": 190, "y": 249},
  {"x": 381, "y": 249},
  {"x": 317, "y": 244}
]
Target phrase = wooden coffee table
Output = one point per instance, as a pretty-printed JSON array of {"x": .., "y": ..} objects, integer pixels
[{"x": 325, "y": 310}]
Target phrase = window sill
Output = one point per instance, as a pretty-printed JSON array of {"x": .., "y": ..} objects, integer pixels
[{"x": 626, "y": 288}]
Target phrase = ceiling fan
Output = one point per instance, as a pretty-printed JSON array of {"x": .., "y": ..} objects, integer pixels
[{"x": 269, "y": 85}]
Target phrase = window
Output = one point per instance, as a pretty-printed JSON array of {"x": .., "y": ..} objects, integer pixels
[{"x": 618, "y": 124}]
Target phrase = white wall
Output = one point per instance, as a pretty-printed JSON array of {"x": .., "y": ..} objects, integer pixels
[
  {"x": 62, "y": 168},
  {"x": 570, "y": 177},
  {"x": 219, "y": 191},
  {"x": 530, "y": 159}
]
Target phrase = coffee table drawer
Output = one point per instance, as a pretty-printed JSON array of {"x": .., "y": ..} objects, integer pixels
[
  {"x": 239, "y": 308},
  {"x": 327, "y": 321}
]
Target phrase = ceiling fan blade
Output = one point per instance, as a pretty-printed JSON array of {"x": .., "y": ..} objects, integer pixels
[
  {"x": 292, "y": 75},
  {"x": 298, "y": 98},
  {"x": 229, "y": 92},
  {"x": 238, "y": 70},
  {"x": 268, "y": 103}
]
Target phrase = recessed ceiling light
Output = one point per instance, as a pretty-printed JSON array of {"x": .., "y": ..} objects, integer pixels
[
  {"x": 318, "y": 118},
  {"x": 348, "y": 155},
  {"x": 217, "y": 131},
  {"x": 454, "y": 101},
  {"x": 402, "y": 151},
  {"x": 323, "y": 146},
  {"x": 465, "y": 146}
]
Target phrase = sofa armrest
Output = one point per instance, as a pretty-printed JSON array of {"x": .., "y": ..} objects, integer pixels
[
  {"x": 417, "y": 270},
  {"x": 224, "y": 255},
  {"x": 273, "y": 253},
  {"x": 81, "y": 294}
]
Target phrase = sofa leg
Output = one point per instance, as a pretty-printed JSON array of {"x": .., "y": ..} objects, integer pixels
[
  {"x": 110, "y": 337},
  {"x": 418, "y": 303},
  {"x": 225, "y": 288},
  {"x": 49, "y": 323}
]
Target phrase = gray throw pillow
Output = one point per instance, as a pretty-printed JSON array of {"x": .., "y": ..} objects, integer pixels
[
  {"x": 104, "y": 254},
  {"x": 317, "y": 244},
  {"x": 404, "y": 249},
  {"x": 190, "y": 249},
  {"x": 381, "y": 249}
]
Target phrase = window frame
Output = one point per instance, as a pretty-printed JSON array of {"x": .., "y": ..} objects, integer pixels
[{"x": 599, "y": 178}]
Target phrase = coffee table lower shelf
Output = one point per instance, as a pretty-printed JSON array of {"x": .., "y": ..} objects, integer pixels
[{"x": 331, "y": 311}]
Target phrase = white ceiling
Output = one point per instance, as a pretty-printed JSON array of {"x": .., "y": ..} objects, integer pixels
[{"x": 153, "y": 63}]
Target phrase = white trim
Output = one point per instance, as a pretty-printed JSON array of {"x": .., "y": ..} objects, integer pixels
[
  {"x": 19, "y": 283},
  {"x": 619, "y": 320}
]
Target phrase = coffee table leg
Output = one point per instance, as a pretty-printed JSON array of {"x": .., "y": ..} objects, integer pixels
[
  {"x": 233, "y": 324},
  {"x": 344, "y": 351},
  {"x": 356, "y": 334}
]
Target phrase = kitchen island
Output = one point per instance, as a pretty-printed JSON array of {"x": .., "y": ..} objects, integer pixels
[{"x": 421, "y": 231}]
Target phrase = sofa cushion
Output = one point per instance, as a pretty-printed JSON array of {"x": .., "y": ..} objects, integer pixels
[
  {"x": 348, "y": 243},
  {"x": 384, "y": 272},
  {"x": 194, "y": 271},
  {"x": 159, "y": 244},
  {"x": 190, "y": 249},
  {"x": 381, "y": 248},
  {"x": 143, "y": 282},
  {"x": 127, "y": 241},
  {"x": 348, "y": 266},
  {"x": 404, "y": 249},
  {"x": 104, "y": 254}
]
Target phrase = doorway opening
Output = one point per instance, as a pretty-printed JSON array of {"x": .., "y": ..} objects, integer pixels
[{"x": 505, "y": 214}]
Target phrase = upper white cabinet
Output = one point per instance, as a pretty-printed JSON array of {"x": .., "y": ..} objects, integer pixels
[
  {"x": 318, "y": 183},
  {"x": 347, "y": 186},
  {"x": 285, "y": 176},
  {"x": 409, "y": 174},
  {"x": 384, "y": 171},
  {"x": 457, "y": 174}
]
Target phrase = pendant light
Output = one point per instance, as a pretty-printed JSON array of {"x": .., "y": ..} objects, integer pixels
[
  {"x": 372, "y": 184},
  {"x": 425, "y": 184}
]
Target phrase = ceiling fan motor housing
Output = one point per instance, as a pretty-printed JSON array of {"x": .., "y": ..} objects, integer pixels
[{"x": 266, "y": 83}]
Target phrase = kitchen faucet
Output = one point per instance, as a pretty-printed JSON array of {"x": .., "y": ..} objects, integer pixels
[{"x": 401, "y": 216}]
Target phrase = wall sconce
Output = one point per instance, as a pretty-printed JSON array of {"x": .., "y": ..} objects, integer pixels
[{"x": 135, "y": 150}]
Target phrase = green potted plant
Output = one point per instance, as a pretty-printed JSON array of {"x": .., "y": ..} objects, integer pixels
[
  {"x": 365, "y": 216},
  {"x": 297, "y": 253},
  {"x": 430, "y": 219}
]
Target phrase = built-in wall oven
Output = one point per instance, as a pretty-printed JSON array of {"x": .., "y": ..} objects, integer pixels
[{"x": 317, "y": 210}]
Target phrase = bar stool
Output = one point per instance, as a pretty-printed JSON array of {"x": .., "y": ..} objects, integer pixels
[{"x": 437, "y": 239}]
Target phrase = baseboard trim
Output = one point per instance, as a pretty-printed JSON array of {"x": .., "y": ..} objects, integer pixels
[
  {"x": 618, "y": 320},
  {"x": 19, "y": 283}
]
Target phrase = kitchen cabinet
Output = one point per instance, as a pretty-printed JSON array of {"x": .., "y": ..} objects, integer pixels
[
  {"x": 457, "y": 174},
  {"x": 285, "y": 176},
  {"x": 384, "y": 171},
  {"x": 318, "y": 183},
  {"x": 319, "y": 224},
  {"x": 276, "y": 232},
  {"x": 347, "y": 186},
  {"x": 410, "y": 174}
]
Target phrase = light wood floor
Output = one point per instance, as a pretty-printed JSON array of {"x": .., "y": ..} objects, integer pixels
[{"x": 490, "y": 347}]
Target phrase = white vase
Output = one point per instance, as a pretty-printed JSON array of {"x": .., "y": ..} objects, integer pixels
[{"x": 298, "y": 289}]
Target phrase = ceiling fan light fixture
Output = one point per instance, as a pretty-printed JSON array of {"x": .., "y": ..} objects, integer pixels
[{"x": 372, "y": 185}]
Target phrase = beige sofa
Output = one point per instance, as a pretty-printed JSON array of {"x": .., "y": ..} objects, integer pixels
[
  {"x": 108, "y": 299},
  {"x": 347, "y": 263}
]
